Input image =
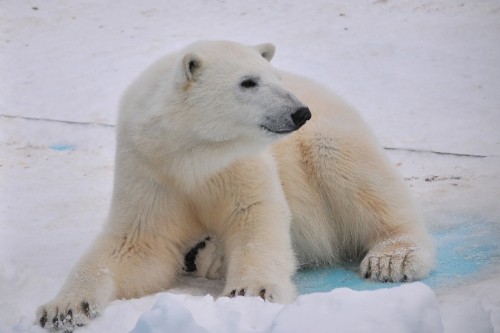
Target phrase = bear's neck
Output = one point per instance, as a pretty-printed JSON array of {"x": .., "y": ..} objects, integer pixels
[
  {"x": 187, "y": 167},
  {"x": 197, "y": 165}
]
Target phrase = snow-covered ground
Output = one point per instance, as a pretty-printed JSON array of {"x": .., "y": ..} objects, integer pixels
[{"x": 424, "y": 74}]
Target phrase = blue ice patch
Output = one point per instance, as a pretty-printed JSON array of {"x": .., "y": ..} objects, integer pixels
[
  {"x": 462, "y": 251},
  {"x": 62, "y": 147}
]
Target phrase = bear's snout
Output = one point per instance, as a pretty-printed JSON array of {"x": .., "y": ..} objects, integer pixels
[
  {"x": 300, "y": 116},
  {"x": 286, "y": 122}
]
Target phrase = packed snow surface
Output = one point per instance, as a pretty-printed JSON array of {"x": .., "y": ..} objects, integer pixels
[
  {"x": 424, "y": 74},
  {"x": 341, "y": 310}
]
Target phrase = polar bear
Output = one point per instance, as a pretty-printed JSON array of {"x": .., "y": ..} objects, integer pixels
[{"x": 208, "y": 143}]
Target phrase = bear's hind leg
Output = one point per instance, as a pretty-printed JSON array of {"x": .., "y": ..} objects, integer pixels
[
  {"x": 205, "y": 259},
  {"x": 370, "y": 208}
]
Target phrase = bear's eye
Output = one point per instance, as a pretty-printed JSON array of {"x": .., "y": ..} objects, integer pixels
[{"x": 248, "y": 83}]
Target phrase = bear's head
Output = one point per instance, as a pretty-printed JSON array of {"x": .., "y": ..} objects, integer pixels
[
  {"x": 230, "y": 92},
  {"x": 196, "y": 111}
]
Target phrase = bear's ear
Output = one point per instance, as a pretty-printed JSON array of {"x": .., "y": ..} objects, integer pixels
[
  {"x": 266, "y": 50},
  {"x": 191, "y": 63}
]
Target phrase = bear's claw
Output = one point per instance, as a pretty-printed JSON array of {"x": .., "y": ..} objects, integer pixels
[
  {"x": 396, "y": 260},
  {"x": 244, "y": 292},
  {"x": 43, "y": 319},
  {"x": 57, "y": 319}
]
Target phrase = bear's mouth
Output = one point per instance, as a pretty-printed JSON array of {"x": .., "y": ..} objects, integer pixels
[{"x": 279, "y": 132}]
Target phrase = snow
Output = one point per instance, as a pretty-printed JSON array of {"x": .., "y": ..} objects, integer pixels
[
  {"x": 424, "y": 74},
  {"x": 415, "y": 306}
]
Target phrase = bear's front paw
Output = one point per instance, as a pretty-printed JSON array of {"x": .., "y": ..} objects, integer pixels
[
  {"x": 283, "y": 292},
  {"x": 66, "y": 316},
  {"x": 262, "y": 293},
  {"x": 396, "y": 260}
]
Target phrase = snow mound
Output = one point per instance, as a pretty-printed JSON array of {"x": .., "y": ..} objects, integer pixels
[{"x": 407, "y": 308}]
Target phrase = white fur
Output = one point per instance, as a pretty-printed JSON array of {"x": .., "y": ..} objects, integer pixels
[{"x": 197, "y": 154}]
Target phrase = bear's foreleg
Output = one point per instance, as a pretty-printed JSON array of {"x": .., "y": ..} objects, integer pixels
[
  {"x": 114, "y": 268},
  {"x": 86, "y": 292},
  {"x": 260, "y": 260}
]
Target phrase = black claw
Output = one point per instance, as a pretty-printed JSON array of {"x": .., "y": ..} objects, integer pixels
[
  {"x": 385, "y": 279},
  {"x": 262, "y": 294},
  {"x": 405, "y": 278},
  {"x": 86, "y": 308},
  {"x": 242, "y": 292},
  {"x": 232, "y": 293},
  {"x": 367, "y": 275},
  {"x": 43, "y": 320},
  {"x": 55, "y": 321}
]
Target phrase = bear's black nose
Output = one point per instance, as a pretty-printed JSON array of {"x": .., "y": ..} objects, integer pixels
[{"x": 300, "y": 116}]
